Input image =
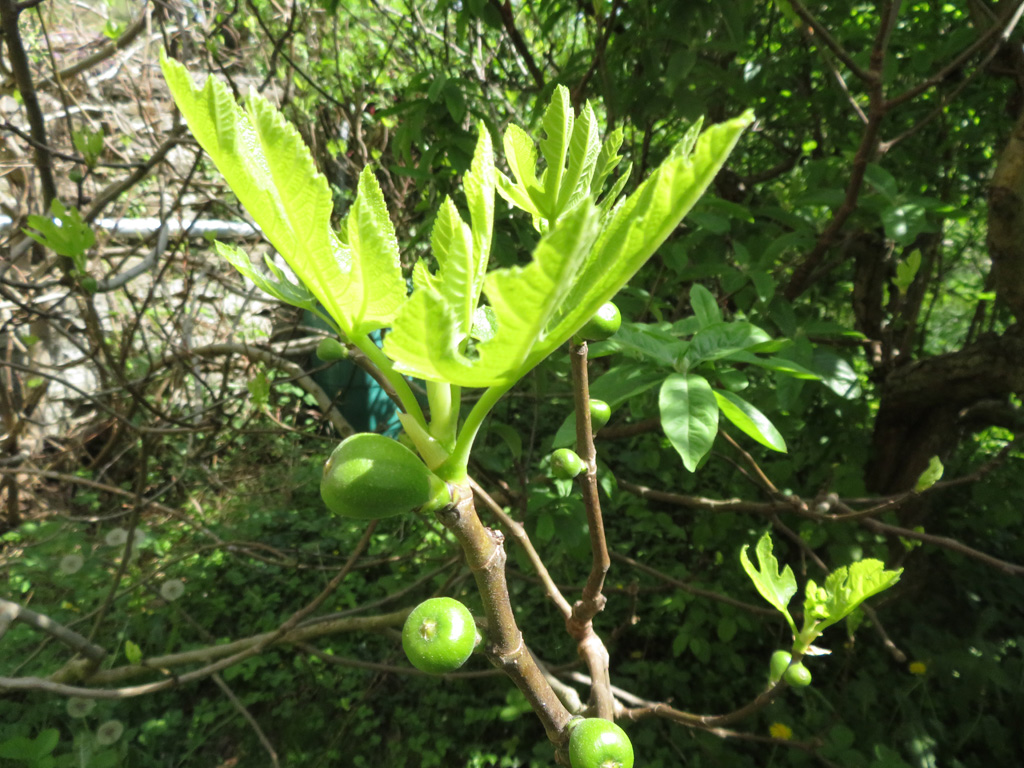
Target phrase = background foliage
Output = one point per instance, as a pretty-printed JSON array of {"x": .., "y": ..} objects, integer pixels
[{"x": 870, "y": 218}]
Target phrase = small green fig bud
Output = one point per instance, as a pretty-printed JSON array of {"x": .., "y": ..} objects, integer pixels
[
  {"x": 604, "y": 324},
  {"x": 330, "y": 350},
  {"x": 600, "y": 412},
  {"x": 566, "y": 464},
  {"x": 798, "y": 675},
  {"x": 778, "y": 665}
]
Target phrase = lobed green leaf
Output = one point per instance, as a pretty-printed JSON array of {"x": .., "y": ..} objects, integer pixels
[
  {"x": 776, "y": 586},
  {"x": 557, "y": 124},
  {"x": 845, "y": 589},
  {"x": 426, "y": 341},
  {"x": 269, "y": 168},
  {"x": 644, "y": 221}
]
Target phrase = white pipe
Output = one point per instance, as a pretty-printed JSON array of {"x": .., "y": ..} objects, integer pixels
[{"x": 149, "y": 225}]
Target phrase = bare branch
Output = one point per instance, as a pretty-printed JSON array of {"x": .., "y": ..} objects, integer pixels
[
  {"x": 944, "y": 542},
  {"x": 13, "y": 612},
  {"x": 821, "y": 33},
  {"x": 699, "y": 592},
  {"x": 9, "y": 13},
  {"x": 123, "y": 41},
  {"x": 485, "y": 555},
  {"x": 509, "y": 20},
  {"x": 1002, "y": 30},
  {"x": 520, "y": 535}
]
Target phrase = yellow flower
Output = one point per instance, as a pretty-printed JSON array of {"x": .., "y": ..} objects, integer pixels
[
  {"x": 918, "y": 668},
  {"x": 780, "y": 731}
]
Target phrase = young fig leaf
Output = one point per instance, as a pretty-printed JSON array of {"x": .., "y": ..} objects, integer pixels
[{"x": 775, "y": 586}]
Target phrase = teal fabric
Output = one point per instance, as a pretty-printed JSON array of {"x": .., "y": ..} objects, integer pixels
[{"x": 361, "y": 400}]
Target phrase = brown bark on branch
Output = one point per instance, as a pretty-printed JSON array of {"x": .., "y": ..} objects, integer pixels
[
  {"x": 921, "y": 405},
  {"x": 1006, "y": 222},
  {"x": 9, "y": 16},
  {"x": 506, "y": 648},
  {"x": 580, "y": 626},
  {"x": 509, "y": 20},
  {"x": 10, "y": 612}
]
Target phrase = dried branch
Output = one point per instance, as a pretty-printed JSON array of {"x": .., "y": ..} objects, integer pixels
[
  {"x": 123, "y": 41},
  {"x": 822, "y": 33},
  {"x": 235, "y": 652},
  {"x": 763, "y": 508},
  {"x": 509, "y": 20},
  {"x": 806, "y": 508},
  {"x": 707, "y": 721},
  {"x": 943, "y": 542},
  {"x": 9, "y": 15},
  {"x": 270, "y": 358},
  {"x": 698, "y": 591},
  {"x": 247, "y": 715},
  {"x": 1002, "y": 30},
  {"x": 10, "y": 612}
]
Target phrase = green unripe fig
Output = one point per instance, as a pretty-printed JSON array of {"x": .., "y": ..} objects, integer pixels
[
  {"x": 603, "y": 324},
  {"x": 566, "y": 464},
  {"x": 798, "y": 675},
  {"x": 439, "y": 635},
  {"x": 778, "y": 665},
  {"x": 370, "y": 476},
  {"x": 597, "y": 743},
  {"x": 600, "y": 412},
  {"x": 330, "y": 350}
]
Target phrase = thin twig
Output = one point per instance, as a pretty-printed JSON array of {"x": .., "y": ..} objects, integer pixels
[
  {"x": 1003, "y": 29},
  {"x": 699, "y": 592},
  {"x": 523, "y": 539},
  {"x": 13, "y": 612},
  {"x": 245, "y": 713},
  {"x": 943, "y": 542},
  {"x": 9, "y": 13},
  {"x": 821, "y": 33},
  {"x": 108, "y": 50},
  {"x": 768, "y": 484},
  {"x": 581, "y": 625},
  {"x": 237, "y": 650},
  {"x": 508, "y": 19}
]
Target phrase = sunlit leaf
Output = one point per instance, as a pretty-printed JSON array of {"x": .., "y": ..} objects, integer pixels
[
  {"x": 776, "y": 586},
  {"x": 689, "y": 416},
  {"x": 845, "y": 589},
  {"x": 750, "y": 420},
  {"x": 931, "y": 475},
  {"x": 705, "y": 305},
  {"x": 270, "y": 170}
]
